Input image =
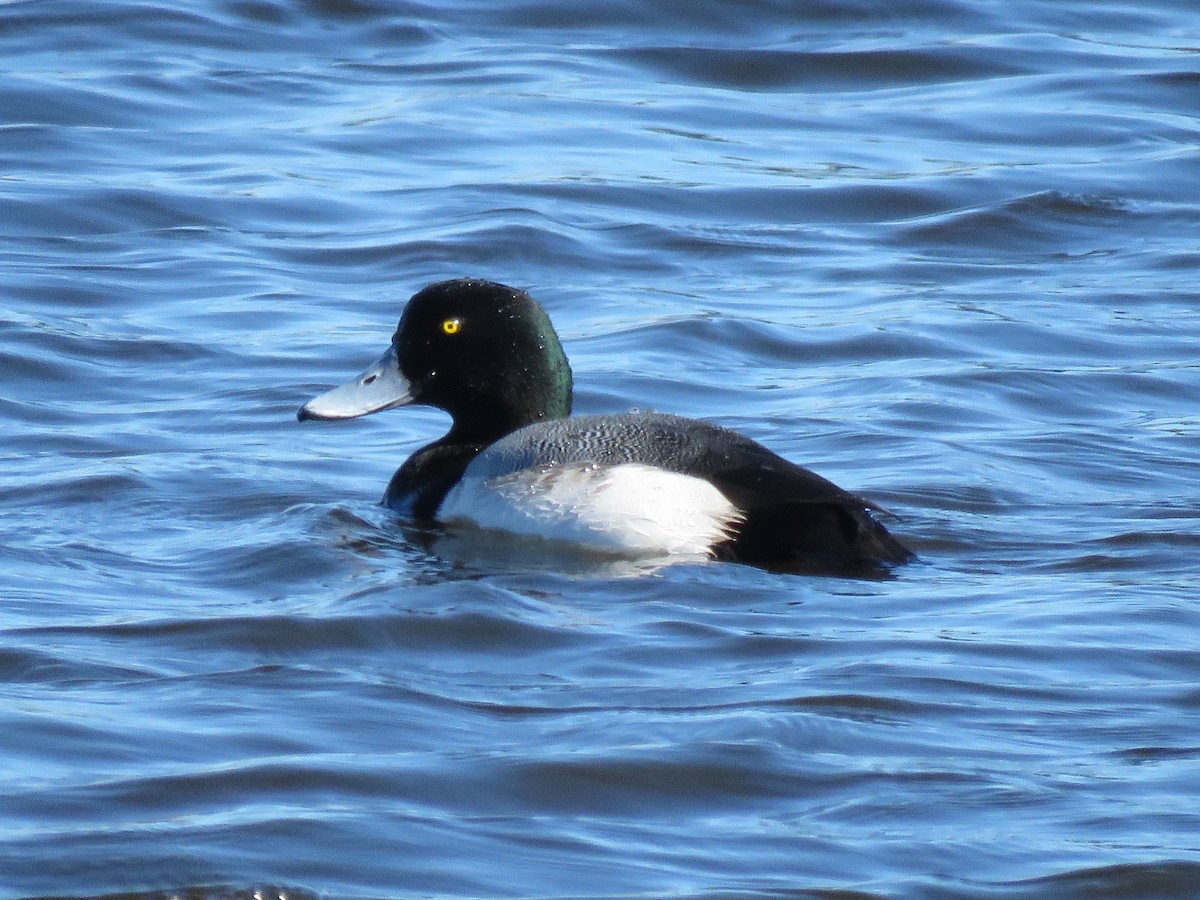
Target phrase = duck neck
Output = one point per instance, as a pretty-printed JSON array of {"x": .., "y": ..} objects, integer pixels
[
  {"x": 497, "y": 404},
  {"x": 486, "y": 426}
]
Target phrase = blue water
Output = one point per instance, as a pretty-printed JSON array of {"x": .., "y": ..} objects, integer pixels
[{"x": 944, "y": 252}]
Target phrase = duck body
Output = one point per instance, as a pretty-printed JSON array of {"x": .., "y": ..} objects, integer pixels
[{"x": 633, "y": 484}]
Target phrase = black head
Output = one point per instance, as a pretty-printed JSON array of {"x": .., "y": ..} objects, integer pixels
[{"x": 484, "y": 352}]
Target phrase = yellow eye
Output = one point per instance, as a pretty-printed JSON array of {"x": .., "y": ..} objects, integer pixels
[{"x": 451, "y": 326}]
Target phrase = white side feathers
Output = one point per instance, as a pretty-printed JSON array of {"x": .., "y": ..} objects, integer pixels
[{"x": 630, "y": 509}]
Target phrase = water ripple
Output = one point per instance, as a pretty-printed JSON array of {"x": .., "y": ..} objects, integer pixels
[{"x": 942, "y": 252}]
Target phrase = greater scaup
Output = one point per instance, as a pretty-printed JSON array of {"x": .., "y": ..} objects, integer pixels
[{"x": 637, "y": 484}]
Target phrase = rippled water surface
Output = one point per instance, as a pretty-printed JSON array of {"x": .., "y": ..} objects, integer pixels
[{"x": 944, "y": 252}]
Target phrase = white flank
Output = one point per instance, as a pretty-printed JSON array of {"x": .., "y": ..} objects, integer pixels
[{"x": 630, "y": 509}]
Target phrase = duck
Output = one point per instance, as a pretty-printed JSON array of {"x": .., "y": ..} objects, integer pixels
[{"x": 634, "y": 484}]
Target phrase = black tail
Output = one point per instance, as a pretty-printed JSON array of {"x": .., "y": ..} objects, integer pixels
[{"x": 833, "y": 538}]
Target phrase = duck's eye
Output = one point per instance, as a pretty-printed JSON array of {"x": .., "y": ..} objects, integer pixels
[{"x": 451, "y": 326}]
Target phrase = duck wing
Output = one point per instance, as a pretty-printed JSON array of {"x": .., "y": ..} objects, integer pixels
[{"x": 793, "y": 519}]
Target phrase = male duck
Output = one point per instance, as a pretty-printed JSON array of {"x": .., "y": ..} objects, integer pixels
[{"x": 635, "y": 484}]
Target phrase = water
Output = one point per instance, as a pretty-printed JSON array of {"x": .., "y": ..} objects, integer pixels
[{"x": 943, "y": 252}]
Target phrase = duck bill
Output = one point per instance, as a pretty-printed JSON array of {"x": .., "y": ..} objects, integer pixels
[{"x": 379, "y": 387}]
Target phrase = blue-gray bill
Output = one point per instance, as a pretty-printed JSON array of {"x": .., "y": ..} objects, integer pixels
[{"x": 379, "y": 387}]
